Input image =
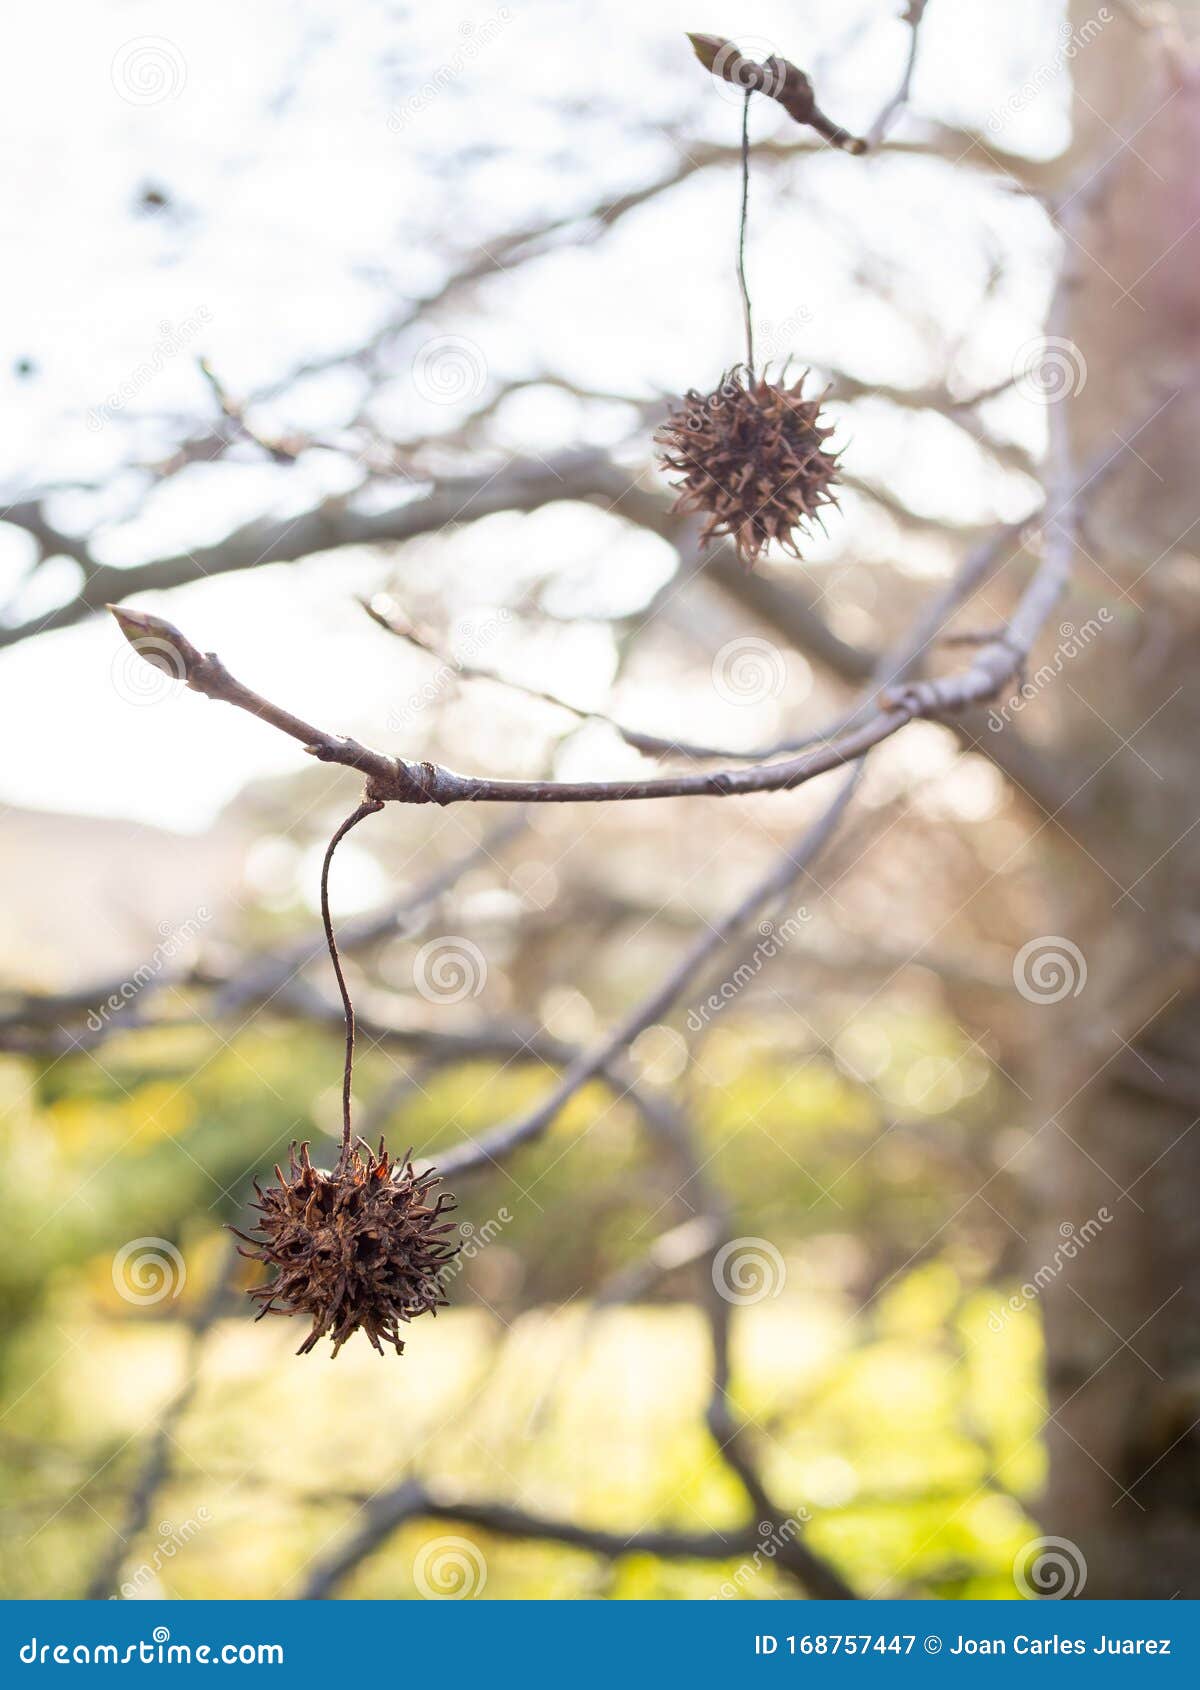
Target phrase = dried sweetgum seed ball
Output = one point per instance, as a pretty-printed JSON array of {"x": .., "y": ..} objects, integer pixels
[
  {"x": 362, "y": 1247},
  {"x": 752, "y": 456}
]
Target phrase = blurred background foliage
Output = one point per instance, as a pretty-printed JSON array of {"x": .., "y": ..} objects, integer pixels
[{"x": 888, "y": 1403}]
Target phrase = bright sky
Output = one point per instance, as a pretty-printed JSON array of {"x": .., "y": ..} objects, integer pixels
[{"x": 322, "y": 165}]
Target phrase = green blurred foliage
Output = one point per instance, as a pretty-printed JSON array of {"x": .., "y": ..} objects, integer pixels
[{"x": 891, "y": 1409}]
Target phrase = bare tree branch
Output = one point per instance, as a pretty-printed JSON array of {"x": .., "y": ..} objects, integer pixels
[
  {"x": 397, "y": 780},
  {"x": 503, "y": 1140},
  {"x": 412, "y": 1499},
  {"x": 914, "y": 16}
]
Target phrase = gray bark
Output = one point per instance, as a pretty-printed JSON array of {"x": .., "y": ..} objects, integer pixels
[{"x": 1120, "y": 1084}]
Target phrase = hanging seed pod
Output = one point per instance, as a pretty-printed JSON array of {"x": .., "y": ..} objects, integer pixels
[
  {"x": 752, "y": 456},
  {"x": 362, "y": 1247}
]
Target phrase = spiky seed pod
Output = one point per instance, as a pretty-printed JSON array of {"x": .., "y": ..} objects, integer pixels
[
  {"x": 361, "y": 1247},
  {"x": 752, "y": 455}
]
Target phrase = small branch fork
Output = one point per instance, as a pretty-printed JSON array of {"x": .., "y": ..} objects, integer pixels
[
  {"x": 396, "y": 780},
  {"x": 914, "y": 16}
]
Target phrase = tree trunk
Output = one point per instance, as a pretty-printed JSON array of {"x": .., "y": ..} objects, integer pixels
[{"x": 1119, "y": 1143}]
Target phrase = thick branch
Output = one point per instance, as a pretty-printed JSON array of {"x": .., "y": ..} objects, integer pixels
[
  {"x": 413, "y": 1500},
  {"x": 335, "y": 523}
]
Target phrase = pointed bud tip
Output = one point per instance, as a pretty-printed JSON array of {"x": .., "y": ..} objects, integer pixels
[
  {"x": 140, "y": 624},
  {"x": 707, "y": 48},
  {"x": 156, "y": 640}
]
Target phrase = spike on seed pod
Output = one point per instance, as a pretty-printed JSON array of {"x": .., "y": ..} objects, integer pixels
[
  {"x": 752, "y": 456},
  {"x": 361, "y": 1248}
]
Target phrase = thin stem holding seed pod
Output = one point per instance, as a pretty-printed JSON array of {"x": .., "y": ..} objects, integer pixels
[
  {"x": 368, "y": 807},
  {"x": 741, "y": 262}
]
